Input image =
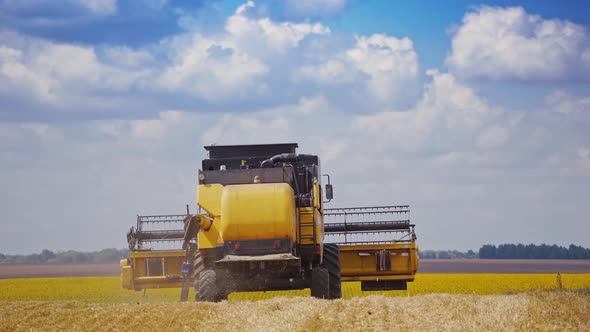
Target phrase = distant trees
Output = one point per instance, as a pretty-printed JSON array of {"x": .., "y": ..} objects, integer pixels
[
  {"x": 488, "y": 251},
  {"x": 533, "y": 251},
  {"x": 47, "y": 255},
  {"x": 446, "y": 254},
  {"x": 110, "y": 255},
  {"x": 512, "y": 251}
]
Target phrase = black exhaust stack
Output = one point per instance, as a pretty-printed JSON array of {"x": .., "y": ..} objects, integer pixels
[{"x": 279, "y": 158}]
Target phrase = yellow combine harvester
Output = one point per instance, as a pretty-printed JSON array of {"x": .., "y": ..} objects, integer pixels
[{"x": 262, "y": 225}]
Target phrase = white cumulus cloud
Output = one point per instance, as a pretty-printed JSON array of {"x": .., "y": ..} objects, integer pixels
[
  {"x": 565, "y": 103},
  {"x": 37, "y": 68},
  {"x": 450, "y": 114},
  {"x": 493, "y": 136},
  {"x": 223, "y": 68},
  {"x": 384, "y": 66},
  {"x": 389, "y": 62},
  {"x": 262, "y": 34},
  {"x": 331, "y": 71},
  {"x": 511, "y": 44},
  {"x": 210, "y": 69}
]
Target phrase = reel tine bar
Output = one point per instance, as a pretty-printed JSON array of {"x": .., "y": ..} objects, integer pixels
[
  {"x": 153, "y": 229},
  {"x": 369, "y": 225}
]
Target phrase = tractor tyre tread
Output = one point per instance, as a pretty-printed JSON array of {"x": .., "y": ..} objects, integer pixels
[
  {"x": 332, "y": 264},
  {"x": 208, "y": 290},
  {"x": 198, "y": 267},
  {"x": 320, "y": 283}
]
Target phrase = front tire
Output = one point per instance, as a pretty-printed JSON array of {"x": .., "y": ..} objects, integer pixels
[
  {"x": 320, "y": 283},
  {"x": 207, "y": 287},
  {"x": 332, "y": 264},
  {"x": 198, "y": 267}
]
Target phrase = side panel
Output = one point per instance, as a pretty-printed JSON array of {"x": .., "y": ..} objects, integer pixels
[
  {"x": 366, "y": 262},
  {"x": 126, "y": 274},
  {"x": 152, "y": 269},
  {"x": 209, "y": 199}
]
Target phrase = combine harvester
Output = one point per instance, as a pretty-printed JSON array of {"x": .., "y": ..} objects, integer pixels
[{"x": 262, "y": 226}]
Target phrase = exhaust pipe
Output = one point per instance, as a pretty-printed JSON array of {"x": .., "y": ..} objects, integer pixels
[{"x": 279, "y": 158}]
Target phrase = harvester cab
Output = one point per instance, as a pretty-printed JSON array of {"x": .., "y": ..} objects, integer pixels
[{"x": 262, "y": 225}]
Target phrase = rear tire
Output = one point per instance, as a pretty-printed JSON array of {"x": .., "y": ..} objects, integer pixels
[
  {"x": 320, "y": 283},
  {"x": 332, "y": 264},
  {"x": 198, "y": 267},
  {"x": 207, "y": 287}
]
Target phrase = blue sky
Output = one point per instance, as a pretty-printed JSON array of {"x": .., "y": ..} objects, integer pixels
[{"x": 475, "y": 113}]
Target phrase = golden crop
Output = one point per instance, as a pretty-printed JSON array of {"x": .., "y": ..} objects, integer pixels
[
  {"x": 537, "y": 310},
  {"x": 109, "y": 290},
  {"x": 101, "y": 304}
]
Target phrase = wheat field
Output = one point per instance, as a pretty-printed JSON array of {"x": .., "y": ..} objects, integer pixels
[
  {"x": 433, "y": 302},
  {"x": 109, "y": 290}
]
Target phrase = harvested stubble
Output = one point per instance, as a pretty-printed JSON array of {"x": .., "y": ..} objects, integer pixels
[
  {"x": 524, "y": 311},
  {"x": 479, "y": 302}
]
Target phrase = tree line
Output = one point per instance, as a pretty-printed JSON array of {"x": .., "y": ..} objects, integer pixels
[
  {"x": 110, "y": 255},
  {"x": 533, "y": 251},
  {"x": 447, "y": 254},
  {"x": 512, "y": 251},
  {"x": 488, "y": 251}
]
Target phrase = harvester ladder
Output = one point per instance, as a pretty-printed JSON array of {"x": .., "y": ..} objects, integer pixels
[{"x": 306, "y": 224}]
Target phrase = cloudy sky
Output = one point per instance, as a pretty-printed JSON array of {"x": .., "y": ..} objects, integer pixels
[{"x": 476, "y": 114}]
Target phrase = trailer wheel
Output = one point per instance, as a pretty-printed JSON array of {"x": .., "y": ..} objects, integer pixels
[
  {"x": 320, "y": 283},
  {"x": 207, "y": 288},
  {"x": 332, "y": 264},
  {"x": 198, "y": 267}
]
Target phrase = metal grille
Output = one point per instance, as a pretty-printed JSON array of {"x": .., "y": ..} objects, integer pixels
[
  {"x": 368, "y": 225},
  {"x": 157, "y": 232}
]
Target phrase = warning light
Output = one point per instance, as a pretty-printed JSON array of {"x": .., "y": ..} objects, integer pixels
[{"x": 277, "y": 244}]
